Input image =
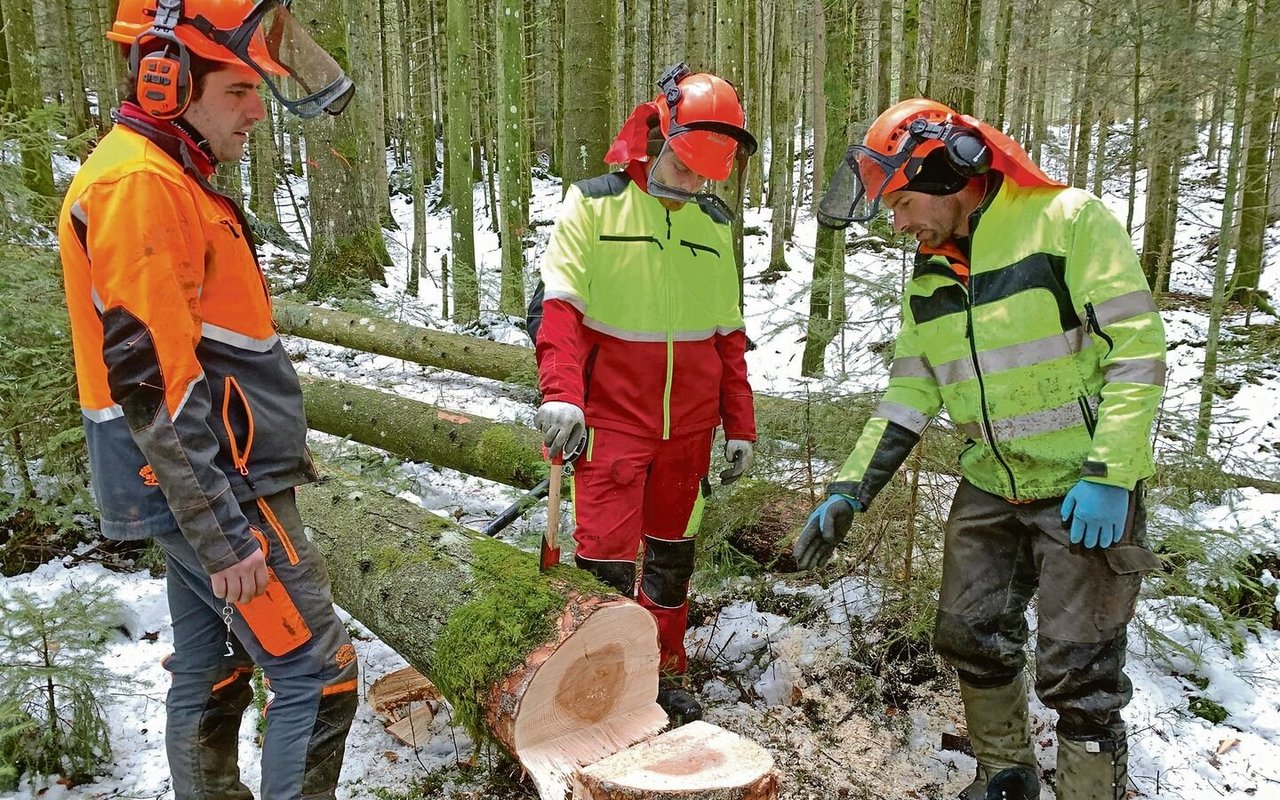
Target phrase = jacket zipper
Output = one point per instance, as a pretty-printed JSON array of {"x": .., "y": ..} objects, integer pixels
[
  {"x": 1089, "y": 422},
  {"x": 671, "y": 351},
  {"x": 609, "y": 237},
  {"x": 982, "y": 393},
  {"x": 694, "y": 247},
  {"x": 238, "y": 458}
]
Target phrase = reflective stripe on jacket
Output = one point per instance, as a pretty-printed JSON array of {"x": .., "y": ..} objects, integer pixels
[
  {"x": 191, "y": 405},
  {"x": 640, "y": 322},
  {"x": 1050, "y": 358}
]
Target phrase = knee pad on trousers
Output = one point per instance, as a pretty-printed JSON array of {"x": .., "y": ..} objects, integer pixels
[
  {"x": 621, "y": 575},
  {"x": 982, "y": 659},
  {"x": 668, "y": 565}
]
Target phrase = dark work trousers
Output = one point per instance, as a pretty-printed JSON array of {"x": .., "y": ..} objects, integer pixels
[
  {"x": 997, "y": 555},
  {"x": 293, "y": 634}
]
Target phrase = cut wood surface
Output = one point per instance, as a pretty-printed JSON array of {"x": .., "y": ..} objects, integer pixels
[
  {"x": 558, "y": 668},
  {"x": 698, "y": 761}
]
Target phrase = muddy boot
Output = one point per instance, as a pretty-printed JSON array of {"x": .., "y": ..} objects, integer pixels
[
  {"x": 1000, "y": 732},
  {"x": 1015, "y": 783},
  {"x": 679, "y": 703},
  {"x": 1093, "y": 770}
]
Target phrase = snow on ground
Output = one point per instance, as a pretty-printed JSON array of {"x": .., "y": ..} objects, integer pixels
[{"x": 783, "y": 682}]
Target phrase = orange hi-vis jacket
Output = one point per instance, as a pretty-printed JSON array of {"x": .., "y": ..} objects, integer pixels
[{"x": 190, "y": 403}]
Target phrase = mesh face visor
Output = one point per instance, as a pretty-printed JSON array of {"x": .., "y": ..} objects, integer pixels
[
  {"x": 859, "y": 181},
  {"x": 672, "y": 178},
  {"x": 302, "y": 76}
]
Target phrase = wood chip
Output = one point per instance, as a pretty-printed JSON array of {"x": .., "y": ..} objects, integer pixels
[
  {"x": 391, "y": 695},
  {"x": 1227, "y": 744}
]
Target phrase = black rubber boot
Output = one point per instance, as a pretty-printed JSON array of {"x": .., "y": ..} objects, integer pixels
[
  {"x": 679, "y": 703},
  {"x": 1015, "y": 783}
]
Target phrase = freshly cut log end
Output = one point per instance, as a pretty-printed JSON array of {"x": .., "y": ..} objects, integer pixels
[
  {"x": 696, "y": 762},
  {"x": 586, "y": 694}
]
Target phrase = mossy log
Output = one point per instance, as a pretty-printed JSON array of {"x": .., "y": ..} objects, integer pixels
[
  {"x": 496, "y": 451},
  {"x": 828, "y": 425},
  {"x": 559, "y": 669},
  {"x": 370, "y": 334}
]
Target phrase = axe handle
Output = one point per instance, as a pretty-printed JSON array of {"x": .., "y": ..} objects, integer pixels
[{"x": 552, "y": 533}]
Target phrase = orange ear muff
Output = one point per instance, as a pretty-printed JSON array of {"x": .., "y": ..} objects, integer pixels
[{"x": 162, "y": 79}]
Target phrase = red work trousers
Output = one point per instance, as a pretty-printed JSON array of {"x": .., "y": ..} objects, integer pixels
[{"x": 631, "y": 490}]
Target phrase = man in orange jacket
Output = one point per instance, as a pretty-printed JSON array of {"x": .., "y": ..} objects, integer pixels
[
  {"x": 641, "y": 344},
  {"x": 192, "y": 411}
]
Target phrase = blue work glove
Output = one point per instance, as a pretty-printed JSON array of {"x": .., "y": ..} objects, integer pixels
[
  {"x": 1098, "y": 513},
  {"x": 826, "y": 527}
]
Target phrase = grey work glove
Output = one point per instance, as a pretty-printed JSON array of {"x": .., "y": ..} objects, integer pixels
[
  {"x": 826, "y": 527},
  {"x": 562, "y": 426},
  {"x": 739, "y": 453}
]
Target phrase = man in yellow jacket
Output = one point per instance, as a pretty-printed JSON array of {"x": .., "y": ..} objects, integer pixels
[
  {"x": 1029, "y": 320},
  {"x": 192, "y": 411}
]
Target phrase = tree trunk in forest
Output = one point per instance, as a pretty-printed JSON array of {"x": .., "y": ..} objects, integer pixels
[
  {"x": 730, "y": 60},
  {"x": 559, "y": 669},
  {"x": 71, "y": 68},
  {"x": 1089, "y": 89},
  {"x": 1000, "y": 64},
  {"x": 25, "y": 97},
  {"x": 458, "y": 124},
  {"x": 420, "y": 129},
  {"x": 511, "y": 142},
  {"x": 1258, "y": 163},
  {"x": 589, "y": 32},
  {"x": 367, "y": 118},
  {"x": 347, "y": 248},
  {"x": 1166, "y": 143},
  {"x": 884, "y": 54},
  {"x": 909, "y": 79},
  {"x": 972, "y": 75},
  {"x": 828, "y": 255},
  {"x": 104, "y": 56},
  {"x": 262, "y": 168},
  {"x": 782, "y": 130},
  {"x": 948, "y": 58},
  {"x": 1209, "y": 378}
]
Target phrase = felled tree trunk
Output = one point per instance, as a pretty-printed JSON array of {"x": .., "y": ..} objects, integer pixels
[
  {"x": 467, "y": 354},
  {"x": 829, "y": 427},
  {"x": 561, "y": 670},
  {"x": 496, "y": 451}
]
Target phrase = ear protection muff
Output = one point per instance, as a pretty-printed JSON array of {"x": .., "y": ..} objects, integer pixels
[
  {"x": 162, "y": 78},
  {"x": 967, "y": 152}
]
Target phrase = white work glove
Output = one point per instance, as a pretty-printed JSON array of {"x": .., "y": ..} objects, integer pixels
[
  {"x": 562, "y": 426},
  {"x": 739, "y": 453}
]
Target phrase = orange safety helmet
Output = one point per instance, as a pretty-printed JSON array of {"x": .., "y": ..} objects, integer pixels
[
  {"x": 135, "y": 18},
  {"x": 709, "y": 121},
  {"x": 260, "y": 34},
  {"x": 893, "y": 153}
]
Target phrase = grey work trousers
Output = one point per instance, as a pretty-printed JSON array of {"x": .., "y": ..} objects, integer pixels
[
  {"x": 997, "y": 554},
  {"x": 293, "y": 634}
]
